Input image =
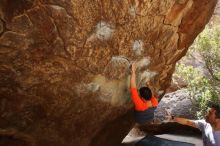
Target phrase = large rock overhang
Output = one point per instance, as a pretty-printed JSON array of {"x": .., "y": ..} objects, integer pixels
[{"x": 64, "y": 64}]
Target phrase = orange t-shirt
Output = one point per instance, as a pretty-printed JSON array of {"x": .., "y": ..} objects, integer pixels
[{"x": 140, "y": 105}]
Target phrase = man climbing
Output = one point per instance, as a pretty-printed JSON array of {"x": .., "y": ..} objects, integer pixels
[
  {"x": 210, "y": 127},
  {"x": 145, "y": 104}
]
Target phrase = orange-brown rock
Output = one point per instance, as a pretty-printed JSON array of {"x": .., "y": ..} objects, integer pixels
[{"x": 64, "y": 64}]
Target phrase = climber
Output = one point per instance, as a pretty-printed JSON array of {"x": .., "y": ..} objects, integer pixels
[
  {"x": 145, "y": 104},
  {"x": 210, "y": 127}
]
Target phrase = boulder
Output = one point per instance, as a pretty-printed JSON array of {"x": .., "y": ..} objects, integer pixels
[{"x": 64, "y": 64}]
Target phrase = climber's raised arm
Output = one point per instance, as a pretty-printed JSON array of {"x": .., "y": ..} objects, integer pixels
[{"x": 133, "y": 76}]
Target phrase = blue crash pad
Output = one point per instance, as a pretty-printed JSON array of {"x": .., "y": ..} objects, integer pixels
[{"x": 151, "y": 140}]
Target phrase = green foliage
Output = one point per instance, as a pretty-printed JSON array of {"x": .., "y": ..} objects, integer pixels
[
  {"x": 203, "y": 87},
  {"x": 209, "y": 46}
]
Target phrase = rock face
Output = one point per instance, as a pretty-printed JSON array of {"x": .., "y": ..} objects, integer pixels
[
  {"x": 177, "y": 103},
  {"x": 64, "y": 64}
]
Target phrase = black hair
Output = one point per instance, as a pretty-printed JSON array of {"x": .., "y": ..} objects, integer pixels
[
  {"x": 216, "y": 106},
  {"x": 145, "y": 93}
]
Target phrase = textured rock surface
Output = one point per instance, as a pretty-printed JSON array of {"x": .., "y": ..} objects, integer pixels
[
  {"x": 177, "y": 103},
  {"x": 64, "y": 64}
]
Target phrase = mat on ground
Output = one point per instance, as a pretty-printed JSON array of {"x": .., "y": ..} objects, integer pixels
[{"x": 151, "y": 140}]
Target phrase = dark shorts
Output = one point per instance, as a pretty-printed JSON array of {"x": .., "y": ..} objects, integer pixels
[{"x": 142, "y": 117}]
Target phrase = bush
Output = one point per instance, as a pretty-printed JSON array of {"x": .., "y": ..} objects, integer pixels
[{"x": 203, "y": 87}]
